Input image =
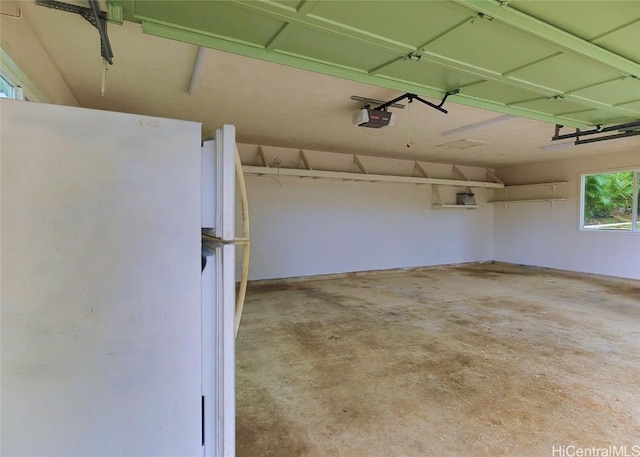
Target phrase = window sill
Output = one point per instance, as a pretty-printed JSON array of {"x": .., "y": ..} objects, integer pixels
[{"x": 609, "y": 232}]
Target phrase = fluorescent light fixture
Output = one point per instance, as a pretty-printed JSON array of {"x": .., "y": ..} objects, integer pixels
[
  {"x": 495, "y": 120},
  {"x": 553, "y": 147}
]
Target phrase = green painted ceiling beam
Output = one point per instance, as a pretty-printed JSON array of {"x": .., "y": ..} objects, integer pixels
[
  {"x": 510, "y": 16},
  {"x": 200, "y": 38},
  {"x": 301, "y": 16}
]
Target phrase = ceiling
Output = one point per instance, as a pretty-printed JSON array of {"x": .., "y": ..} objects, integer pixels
[
  {"x": 300, "y": 106},
  {"x": 573, "y": 63}
]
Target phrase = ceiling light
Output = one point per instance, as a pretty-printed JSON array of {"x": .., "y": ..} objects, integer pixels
[{"x": 495, "y": 120}]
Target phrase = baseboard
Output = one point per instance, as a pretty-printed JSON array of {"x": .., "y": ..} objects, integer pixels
[{"x": 355, "y": 274}]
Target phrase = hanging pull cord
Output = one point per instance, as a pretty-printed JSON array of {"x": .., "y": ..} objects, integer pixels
[
  {"x": 409, "y": 123},
  {"x": 104, "y": 76}
]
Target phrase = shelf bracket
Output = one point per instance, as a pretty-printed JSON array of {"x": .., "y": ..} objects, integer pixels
[
  {"x": 359, "y": 164},
  {"x": 421, "y": 169},
  {"x": 492, "y": 176},
  {"x": 262, "y": 157},
  {"x": 436, "y": 193},
  {"x": 304, "y": 159},
  {"x": 459, "y": 173}
]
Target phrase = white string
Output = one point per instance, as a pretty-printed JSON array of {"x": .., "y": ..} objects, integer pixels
[
  {"x": 409, "y": 124},
  {"x": 104, "y": 76}
]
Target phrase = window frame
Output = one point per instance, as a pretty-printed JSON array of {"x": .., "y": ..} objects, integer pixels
[
  {"x": 24, "y": 89},
  {"x": 635, "y": 214},
  {"x": 17, "y": 92},
  {"x": 10, "y": 83}
]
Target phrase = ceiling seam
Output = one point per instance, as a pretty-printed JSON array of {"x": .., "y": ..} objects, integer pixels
[
  {"x": 522, "y": 21},
  {"x": 278, "y": 36},
  {"x": 614, "y": 30},
  {"x": 422, "y": 47},
  {"x": 306, "y": 6},
  {"x": 598, "y": 84},
  {"x": 318, "y": 23},
  {"x": 531, "y": 64}
]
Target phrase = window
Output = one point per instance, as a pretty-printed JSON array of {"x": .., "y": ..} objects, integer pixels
[
  {"x": 6, "y": 88},
  {"x": 611, "y": 201}
]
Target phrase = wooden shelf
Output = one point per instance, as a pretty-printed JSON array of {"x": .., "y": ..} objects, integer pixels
[
  {"x": 456, "y": 178},
  {"x": 349, "y": 176},
  {"x": 531, "y": 200},
  {"x": 517, "y": 198},
  {"x": 540, "y": 184},
  {"x": 445, "y": 206},
  {"x": 528, "y": 200}
]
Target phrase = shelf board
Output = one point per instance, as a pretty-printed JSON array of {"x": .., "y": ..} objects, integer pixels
[
  {"x": 443, "y": 206},
  {"x": 540, "y": 184},
  {"x": 529, "y": 200},
  {"x": 348, "y": 176}
]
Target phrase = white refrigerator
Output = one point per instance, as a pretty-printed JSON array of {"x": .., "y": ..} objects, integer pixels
[{"x": 115, "y": 341}]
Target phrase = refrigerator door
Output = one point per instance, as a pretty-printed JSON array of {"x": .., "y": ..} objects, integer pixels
[
  {"x": 218, "y": 294},
  {"x": 101, "y": 310},
  {"x": 218, "y": 349},
  {"x": 219, "y": 184}
]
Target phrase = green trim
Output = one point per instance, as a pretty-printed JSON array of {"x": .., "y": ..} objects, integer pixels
[
  {"x": 115, "y": 13},
  {"x": 511, "y": 16},
  {"x": 128, "y": 9},
  {"x": 251, "y": 50}
]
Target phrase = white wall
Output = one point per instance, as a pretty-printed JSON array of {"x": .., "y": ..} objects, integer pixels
[
  {"x": 536, "y": 234},
  {"x": 24, "y": 58},
  {"x": 302, "y": 227}
]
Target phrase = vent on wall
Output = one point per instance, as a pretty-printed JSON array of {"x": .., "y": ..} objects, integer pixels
[{"x": 462, "y": 144}]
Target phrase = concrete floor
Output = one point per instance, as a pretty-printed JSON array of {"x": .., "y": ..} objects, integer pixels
[{"x": 474, "y": 360}]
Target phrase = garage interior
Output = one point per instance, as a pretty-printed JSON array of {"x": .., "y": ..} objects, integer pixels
[{"x": 383, "y": 317}]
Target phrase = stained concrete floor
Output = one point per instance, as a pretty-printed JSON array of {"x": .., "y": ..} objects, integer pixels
[{"x": 474, "y": 360}]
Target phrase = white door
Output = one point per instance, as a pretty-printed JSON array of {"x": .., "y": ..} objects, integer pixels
[
  {"x": 218, "y": 294},
  {"x": 219, "y": 184},
  {"x": 101, "y": 312}
]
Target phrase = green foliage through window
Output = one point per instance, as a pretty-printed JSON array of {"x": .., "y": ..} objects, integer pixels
[{"x": 610, "y": 201}]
